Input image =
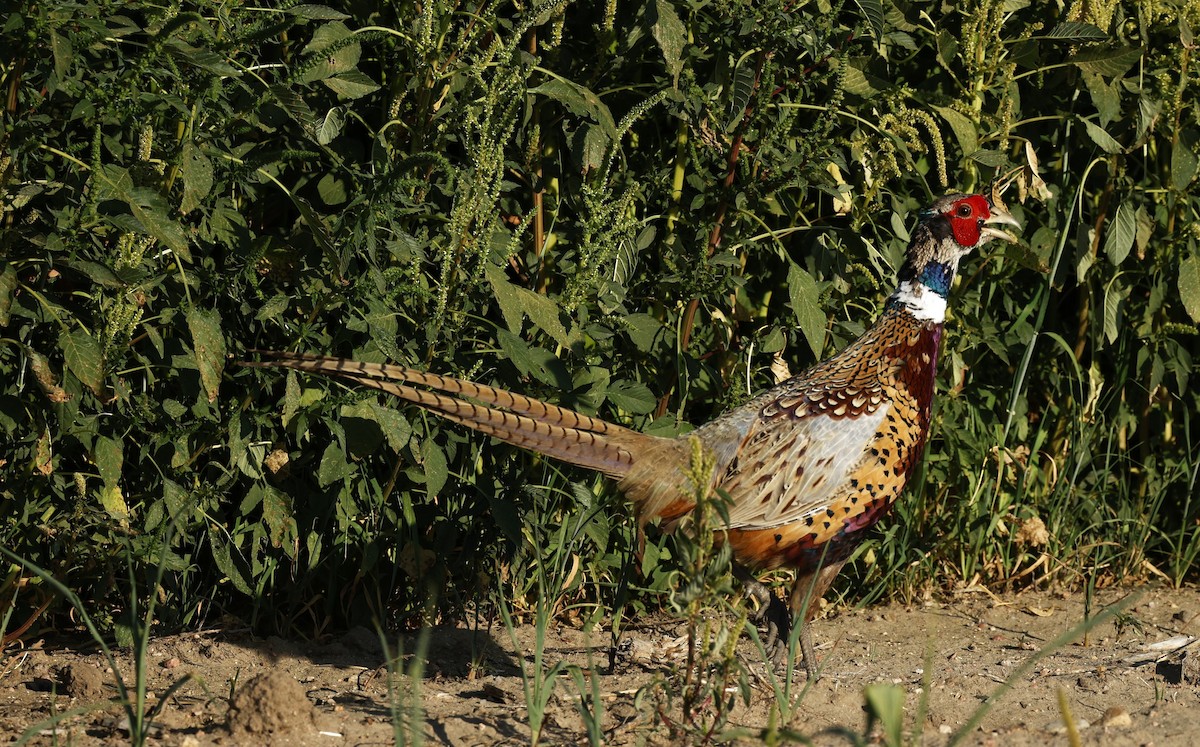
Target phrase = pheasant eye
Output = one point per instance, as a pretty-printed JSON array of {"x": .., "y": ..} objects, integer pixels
[{"x": 964, "y": 210}]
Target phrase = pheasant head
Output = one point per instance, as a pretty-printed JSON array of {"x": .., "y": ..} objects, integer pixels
[{"x": 948, "y": 230}]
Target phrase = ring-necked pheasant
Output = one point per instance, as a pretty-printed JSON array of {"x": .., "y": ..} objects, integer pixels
[{"x": 809, "y": 466}]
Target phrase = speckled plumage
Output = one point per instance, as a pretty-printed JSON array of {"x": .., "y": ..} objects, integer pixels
[{"x": 809, "y": 466}]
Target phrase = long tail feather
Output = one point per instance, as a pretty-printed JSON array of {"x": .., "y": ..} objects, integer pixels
[{"x": 522, "y": 421}]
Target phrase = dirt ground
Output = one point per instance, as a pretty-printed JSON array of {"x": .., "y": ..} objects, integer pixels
[{"x": 244, "y": 690}]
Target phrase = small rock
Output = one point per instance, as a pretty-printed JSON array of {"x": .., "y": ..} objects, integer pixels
[
  {"x": 1058, "y": 727},
  {"x": 1116, "y": 718},
  {"x": 171, "y": 663}
]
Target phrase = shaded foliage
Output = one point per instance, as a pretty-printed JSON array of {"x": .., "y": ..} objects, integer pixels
[{"x": 641, "y": 210}]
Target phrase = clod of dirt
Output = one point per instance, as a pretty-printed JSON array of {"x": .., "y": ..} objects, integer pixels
[
  {"x": 270, "y": 703},
  {"x": 82, "y": 681},
  {"x": 1116, "y": 718}
]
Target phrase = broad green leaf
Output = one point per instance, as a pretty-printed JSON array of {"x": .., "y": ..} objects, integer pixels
[
  {"x": 330, "y": 126},
  {"x": 802, "y": 289},
  {"x": 872, "y": 10},
  {"x": 578, "y": 100},
  {"x": 1075, "y": 31},
  {"x": 517, "y": 302},
  {"x": 272, "y": 308},
  {"x": 1120, "y": 234},
  {"x": 632, "y": 397},
  {"x": 196, "y": 171},
  {"x": 671, "y": 35},
  {"x": 202, "y": 58},
  {"x": 352, "y": 84},
  {"x": 1189, "y": 286},
  {"x": 433, "y": 459},
  {"x": 741, "y": 87},
  {"x": 280, "y": 519},
  {"x": 993, "y": 158},
  {"x": 1183, "y": 162},
  {"x": 208, "y": 345},
  {"x": 1102, "y": 138},
  {"x": 8, "y": 289},
  {"x": 147, "y": 206},
  {"x": 1110, "y": 62},
  {"x": 395, "y": 426},
  {"x": 63, "y": 53},
  {"x": 964, "y": 129},
  {"x": 313, "y": 12},
  {"x": 644, "y": 331},
  {"x": 175, "y": 497},
  {"x": 114, "y": 503},
  {"x": 1114, "y": 294},
  {"x": 1105, "y": 97},
  {"x": 83, "y": 357},
  {"x": 108, "y": 455},
  {"x": 331, "y": 51},
  {"x": 228, "y": 560},
  {"x": 332, "y": 190},
  {"x": 96, "y": 272},
  {"x": 334, "y": 466}
]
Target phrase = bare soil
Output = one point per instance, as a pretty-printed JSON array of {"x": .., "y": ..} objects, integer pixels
[{"x": 244, "y": 690}]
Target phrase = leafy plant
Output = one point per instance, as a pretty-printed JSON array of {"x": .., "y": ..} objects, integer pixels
[{"x": 640, "y": 210}]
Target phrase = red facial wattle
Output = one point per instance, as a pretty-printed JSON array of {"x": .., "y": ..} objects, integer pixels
[{"x": 966, "y": 217}]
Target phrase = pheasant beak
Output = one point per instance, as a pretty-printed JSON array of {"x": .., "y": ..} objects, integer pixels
[{"x": 1000, "y": 215}]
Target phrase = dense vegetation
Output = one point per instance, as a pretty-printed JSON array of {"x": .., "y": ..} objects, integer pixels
[{"x": 644, "y": 210}]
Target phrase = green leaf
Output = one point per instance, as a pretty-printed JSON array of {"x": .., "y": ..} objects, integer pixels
[
  {"x": 334, "y": 466},
  {"x": 327, "y": 130},
  {"x": 1102, "y": 138},
  {"x": 395, "y": 426},
  {"x": 147, "y": 206},
  {"x": 872, "y": 10},
  {"x": 1074, "y": 31},
  {"x": 516, "y": 303},
  {"x": 632, "y": 397},
  {"x": 740, "y": 90},
  {"x": 208, "y": 346},
  {"x": 802, "y": 289},
  {"x": 1114, "y": 294},
  {"x": 8, "y": 289},
  {"x": 433, "y": 459},
  {"x": 280, "y": 518},
  {"x": 114, "y": 503},
  {"x": 671, "y": 35},
  {"x": 351, "y": 84},
  {"x": 329, "y": 53},
  {"x": 196, "y": 171},
  {"x": 993, "y": 158},
  {"x": 229, "y": 563},
  {"x": 109, "y": 457},
  {"x": 1189, "y": 286},
  {"x": 83, "y": 357},
  {"x": 63, "y": 53},
  {"x": 578, "y": 100},
  {"x": 316, "y": 12},
  {"x": 1118, "y": 239},
  {"x": 1183, "y": 162},
  {"x": 964, "y": 129},
  {"x": 1110, "y": 62}
]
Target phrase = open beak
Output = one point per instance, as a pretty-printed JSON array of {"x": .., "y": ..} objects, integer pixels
[{"x": 1000, "y": 215}]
